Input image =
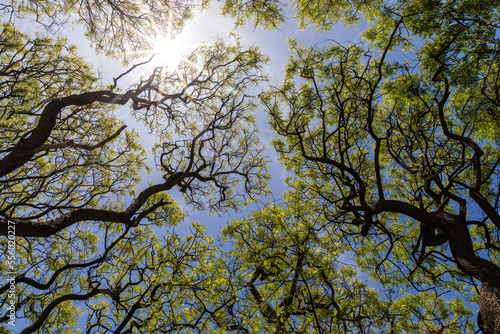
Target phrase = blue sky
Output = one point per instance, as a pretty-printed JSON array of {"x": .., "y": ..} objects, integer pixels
[{"x": 206, "y": 27}]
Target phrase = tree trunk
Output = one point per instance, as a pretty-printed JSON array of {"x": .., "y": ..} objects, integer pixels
[
  {"x": 485, "y": 271},
  {"x": 489, "y": 306}
]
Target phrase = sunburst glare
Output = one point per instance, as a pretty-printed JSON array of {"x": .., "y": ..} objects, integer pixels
[{"x": 169, "y": 51}]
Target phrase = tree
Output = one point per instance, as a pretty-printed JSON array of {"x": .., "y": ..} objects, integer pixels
[
  {"x": 399, "y": 148},
  {"x": 295, "y": 271},
  {"x": 116, "y": 28},
  {"x": 69, "y": 173},
  {"x": 391, "y": 223},
  {"x": 57, "y": 171}
]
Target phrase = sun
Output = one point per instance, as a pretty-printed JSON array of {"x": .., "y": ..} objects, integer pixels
[{"x": 169, "y": 51}]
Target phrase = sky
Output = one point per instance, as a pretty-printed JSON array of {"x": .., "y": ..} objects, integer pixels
[{"x": 206, "y": 27}]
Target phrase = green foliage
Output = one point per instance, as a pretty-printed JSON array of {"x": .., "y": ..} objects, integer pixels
[
  {"x": 117, "y": 28},
  {"x": 34, "y": 72},
  {"x": 391, "y": 221},
  {"x": 267, "y": 14},
  {"x": 128, "y": 268},
  {"x": 299, "y": 264},
  {"x": 86, "y": 241},
  {"x": 395, "y": 140}
]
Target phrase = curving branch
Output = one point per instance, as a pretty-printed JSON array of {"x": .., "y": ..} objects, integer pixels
[{"x": 33, "y": 228}]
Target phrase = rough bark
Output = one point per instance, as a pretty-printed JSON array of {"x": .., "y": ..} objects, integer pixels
[{"x": 489, "y": 305}]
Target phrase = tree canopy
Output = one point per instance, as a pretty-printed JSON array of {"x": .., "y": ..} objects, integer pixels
[{"x": 390, "y": 220}]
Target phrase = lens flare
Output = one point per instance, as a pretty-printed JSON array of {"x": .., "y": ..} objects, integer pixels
[{"x": 168, "y": 51}]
